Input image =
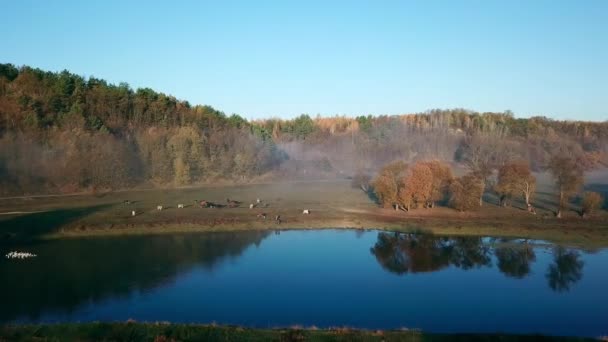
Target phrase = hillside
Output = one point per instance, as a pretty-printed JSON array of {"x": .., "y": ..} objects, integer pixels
[{"x": 63, "y": 133}]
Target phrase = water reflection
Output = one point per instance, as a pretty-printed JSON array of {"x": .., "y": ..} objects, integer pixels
[
  {"x": 514, "y": 259},
  {"x": 413, "y": 253},
  {"x": 304, "y": 277},
  {"x": 72, "y": 272},
  {"x": 402, "y": 253},
  {"x": 566, "y": 269}
]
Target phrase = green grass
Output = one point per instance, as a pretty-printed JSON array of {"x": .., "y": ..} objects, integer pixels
[{"x": 191, "y": 332}]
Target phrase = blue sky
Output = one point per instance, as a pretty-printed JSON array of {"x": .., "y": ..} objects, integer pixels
[{"x": 283, "y": 58}]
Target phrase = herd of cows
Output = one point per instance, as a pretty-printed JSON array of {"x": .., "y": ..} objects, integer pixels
[{"x": 229, "y": 203}]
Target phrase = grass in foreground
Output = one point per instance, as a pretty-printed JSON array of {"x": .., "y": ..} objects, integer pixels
[{"x": 190, "y": 332}]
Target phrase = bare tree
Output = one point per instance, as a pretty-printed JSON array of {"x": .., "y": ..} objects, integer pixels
[{"x": 361, "y": 180}]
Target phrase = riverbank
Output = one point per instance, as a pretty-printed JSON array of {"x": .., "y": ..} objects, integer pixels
[
  {"x": 586, "y": 236},
  {"x": 331, "y": 205},
  {"x": 158, "y": 332}
]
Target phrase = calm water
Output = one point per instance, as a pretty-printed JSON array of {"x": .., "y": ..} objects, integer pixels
[{"x": 324, "y": 278}]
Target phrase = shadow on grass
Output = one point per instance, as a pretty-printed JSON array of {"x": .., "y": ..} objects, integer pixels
[
  {"x": 545, "y": 201},
  {"x": 30, "y": 227},
  {"x": 371, "y": 194}
]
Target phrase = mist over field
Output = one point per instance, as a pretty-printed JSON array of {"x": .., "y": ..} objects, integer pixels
[{"x": 63, "y": 133}]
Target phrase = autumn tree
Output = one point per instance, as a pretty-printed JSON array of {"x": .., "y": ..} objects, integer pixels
[
  {"x": 591, "y": 202},
  {"x": 442, "y": 176},
  {"x": 182, "y": 146},
  {"x": 568, "y": 176},
  {"x": 388, "y": 181},
  {"x": 465, "y": 192},
  {"x": 416, "y": 187},
  {"x": 479, "y": 156},
  {"x": 515, "y": 179}
]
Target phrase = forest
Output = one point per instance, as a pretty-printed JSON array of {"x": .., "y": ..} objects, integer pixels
[{"x": 64, "y": 133}]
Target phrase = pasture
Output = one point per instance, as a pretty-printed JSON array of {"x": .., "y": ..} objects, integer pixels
[{"x": 331, "y": 203}]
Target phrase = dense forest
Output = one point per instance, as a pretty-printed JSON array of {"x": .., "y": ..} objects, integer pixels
[{"x": 61, "y": 133}]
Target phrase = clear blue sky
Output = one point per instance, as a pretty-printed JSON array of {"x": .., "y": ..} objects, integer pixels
[{"x": 283, "y": 58}]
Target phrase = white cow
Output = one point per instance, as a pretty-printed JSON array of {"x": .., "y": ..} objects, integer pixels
[
  {"x": 306, "y": 212},
  {"x": 180, "y": 206},
  {"x": 251, "y": 206},
  {"x": 159, "y": 207},
  {"x": 132, "y": 212}
]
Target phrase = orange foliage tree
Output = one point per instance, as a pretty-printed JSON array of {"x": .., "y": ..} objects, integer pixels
[
  {"x": 465, "y": 192},
  {"x": 442, "y": 176},
  {"x": 387, "y": 183},
  {"x": 416, "y": 187},
  {"x": 514, "y": 179}
]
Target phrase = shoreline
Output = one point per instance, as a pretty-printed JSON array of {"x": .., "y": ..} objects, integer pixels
[
  {"x": 164, "y": 331},
  {"x": 578, "y": 235}
]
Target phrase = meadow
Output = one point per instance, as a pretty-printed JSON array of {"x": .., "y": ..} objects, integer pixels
[{"x": 332, "y": 204}]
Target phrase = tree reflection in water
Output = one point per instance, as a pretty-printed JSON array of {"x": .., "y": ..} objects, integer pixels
[
  {"x": 566, "y": 269},
  {"x": 402, "y": 253},
  {"x": 514, "y": 259},
  {"x": 78, "y": 271},
  {"x": 413, "y": 253}
]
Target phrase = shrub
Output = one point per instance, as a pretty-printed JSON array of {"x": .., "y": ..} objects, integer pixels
[{"x": 591, "y": 202}]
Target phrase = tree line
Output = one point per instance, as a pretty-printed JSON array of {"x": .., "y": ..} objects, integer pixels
[
  {"x": 61, "y": 132},
  {"x": 424, "y": 183}
]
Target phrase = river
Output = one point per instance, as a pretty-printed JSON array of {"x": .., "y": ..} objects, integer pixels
[{"x": 324, "y": 278}]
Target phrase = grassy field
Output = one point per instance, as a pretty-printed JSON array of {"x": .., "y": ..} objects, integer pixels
[
  {"x": 184, "y": 332},
  {"x": 333, "y": 204}
]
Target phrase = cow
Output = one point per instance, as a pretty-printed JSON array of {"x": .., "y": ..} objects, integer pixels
[
  {"x": 159, "y": 207},
  {"x": 180, "y": 206},
  {"x": 262, "y": 215},
  {"x": 278, "y": 219},
  {"x": 126, "y": 202},
  {"x": 251, "y": 206},
  {"x": 258, "y": 201},
  {"x": 305, "y": 212},
  {"x": 132, "y": 212}
]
